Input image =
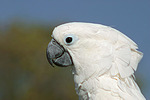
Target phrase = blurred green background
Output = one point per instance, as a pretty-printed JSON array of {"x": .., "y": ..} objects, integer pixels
[{"x": 25, "y": 73}]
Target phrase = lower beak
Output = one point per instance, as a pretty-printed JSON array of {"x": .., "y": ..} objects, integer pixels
[{"x": 57, "y": 55}]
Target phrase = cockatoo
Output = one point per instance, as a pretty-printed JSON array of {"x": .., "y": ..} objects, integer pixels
[{"x": 102, "y": 58}]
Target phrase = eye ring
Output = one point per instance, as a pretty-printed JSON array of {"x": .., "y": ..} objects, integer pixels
[{"x": 70, "y": 39}]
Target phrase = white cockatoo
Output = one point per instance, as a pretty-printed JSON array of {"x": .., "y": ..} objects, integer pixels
[{"x": 103, "y": 60}]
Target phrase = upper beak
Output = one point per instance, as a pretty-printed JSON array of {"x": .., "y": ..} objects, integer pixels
[{"x": 57, "y": 55}]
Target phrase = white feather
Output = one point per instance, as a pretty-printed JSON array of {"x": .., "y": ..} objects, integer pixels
[{"x": 104, "y": 61}]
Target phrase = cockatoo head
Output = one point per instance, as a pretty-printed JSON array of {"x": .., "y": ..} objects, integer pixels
[
  {"x": 77, "y": 44},
  {"x": 92, "y": 49}
]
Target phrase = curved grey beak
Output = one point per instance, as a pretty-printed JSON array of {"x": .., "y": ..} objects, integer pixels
[{"x": 57, "y": 55}]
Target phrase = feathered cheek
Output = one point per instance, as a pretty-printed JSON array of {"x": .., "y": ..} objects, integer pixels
[{"x": 105, "y": 49}]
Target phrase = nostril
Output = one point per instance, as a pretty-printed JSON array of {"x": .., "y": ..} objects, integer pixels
[{"x": 54, "y": 42}]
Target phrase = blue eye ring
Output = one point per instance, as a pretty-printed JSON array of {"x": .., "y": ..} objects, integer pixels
[{"x": 70, "y": 39}]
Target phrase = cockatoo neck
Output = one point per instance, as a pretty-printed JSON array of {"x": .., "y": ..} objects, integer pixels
[
  {"x": 86, "y": 82},
  {"x": 88, "y": 69},
  {"x": 87, "y": 86}
]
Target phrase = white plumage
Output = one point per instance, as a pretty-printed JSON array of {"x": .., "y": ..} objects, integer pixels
[{"x": 104, "y": 61}]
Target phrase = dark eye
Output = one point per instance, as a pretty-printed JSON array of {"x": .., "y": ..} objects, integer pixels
[{"x": 68, "y": 39}]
